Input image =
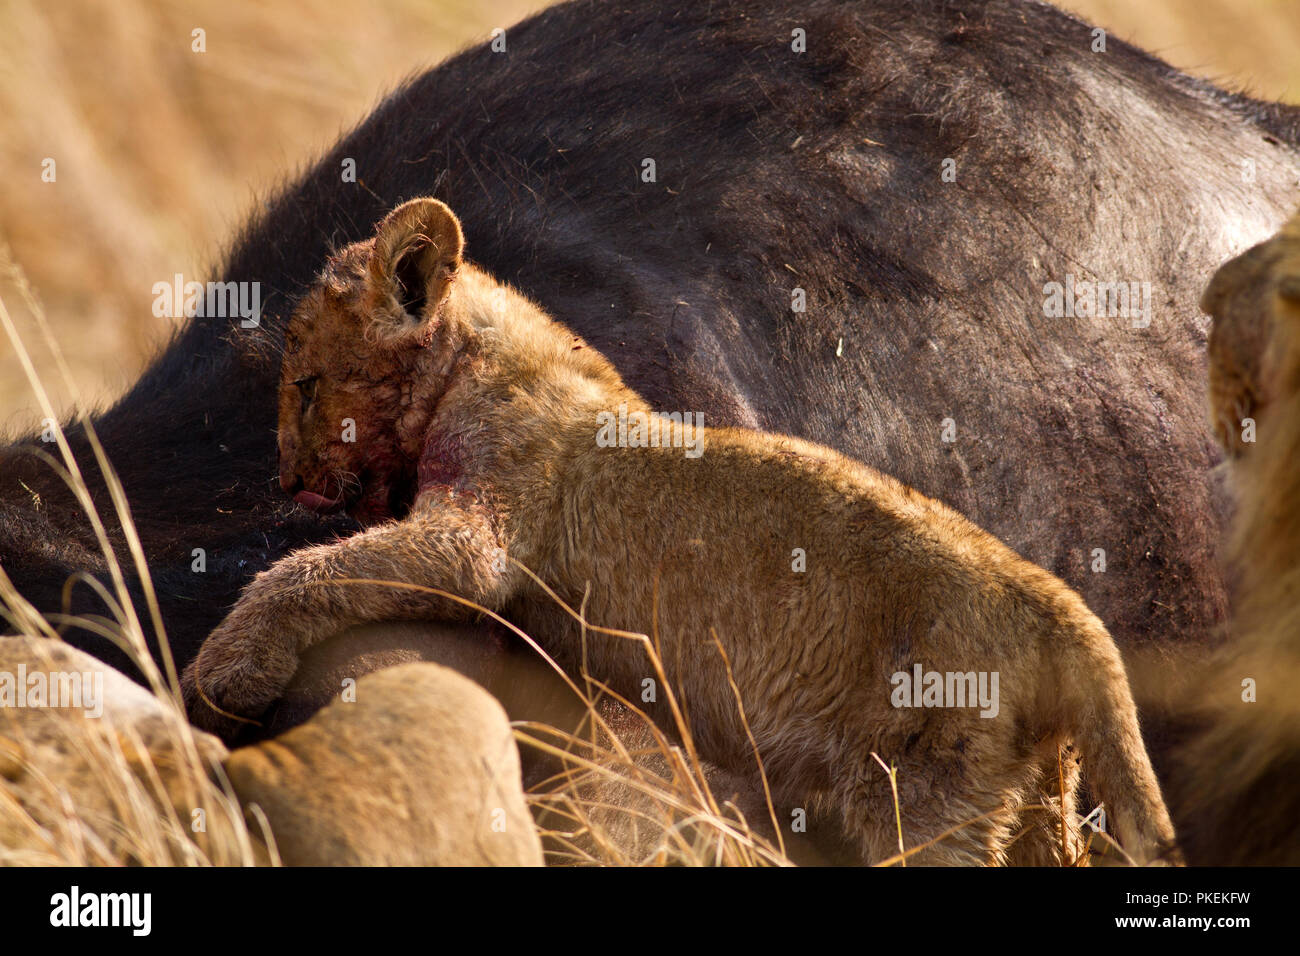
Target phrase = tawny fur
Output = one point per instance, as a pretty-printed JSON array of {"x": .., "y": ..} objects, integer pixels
[
  {"x": 467, "y": 396},
  {"x": 1242, "y": 770}
]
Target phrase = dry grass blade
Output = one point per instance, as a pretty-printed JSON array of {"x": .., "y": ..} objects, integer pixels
[
  {"x": 683, "y": 797},
  {"x": 139, "y": 818}
]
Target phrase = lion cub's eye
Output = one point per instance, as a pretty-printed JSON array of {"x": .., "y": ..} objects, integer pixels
[{"x": 307, "y": 389}]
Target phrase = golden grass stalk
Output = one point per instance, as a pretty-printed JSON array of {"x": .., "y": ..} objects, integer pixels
[{"x": 144, "y": 825}]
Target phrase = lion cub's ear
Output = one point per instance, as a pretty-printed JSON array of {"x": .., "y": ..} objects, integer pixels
[{"x": 413, "y": 261}]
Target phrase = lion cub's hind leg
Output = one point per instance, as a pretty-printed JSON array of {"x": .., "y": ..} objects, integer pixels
[
  {"x": 964, "y": 819},
  {"x": 1039, "y": 839}
]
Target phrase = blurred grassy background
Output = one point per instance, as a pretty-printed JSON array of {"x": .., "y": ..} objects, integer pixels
[{"x": 160, "y": 151}]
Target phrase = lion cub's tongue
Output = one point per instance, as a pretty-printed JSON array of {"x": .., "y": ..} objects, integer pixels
[{"x": 309, "y": 499}]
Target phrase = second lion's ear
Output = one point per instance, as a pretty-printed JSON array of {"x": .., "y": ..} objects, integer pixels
[{"x": 415, "y": 256}]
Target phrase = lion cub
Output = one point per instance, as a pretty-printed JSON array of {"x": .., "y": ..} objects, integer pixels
[{"x": 859, "y": 618}]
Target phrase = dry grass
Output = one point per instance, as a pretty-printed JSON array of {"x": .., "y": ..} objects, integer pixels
[
  {"x": 162, "y": 152},
  {"x": 146, "y": 821},
  {"x": 1250, "y": 46},
  {"x": 663, "y": 789}
]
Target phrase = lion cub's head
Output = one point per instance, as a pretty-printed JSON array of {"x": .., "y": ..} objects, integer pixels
[{"x": 354, "y": 393}]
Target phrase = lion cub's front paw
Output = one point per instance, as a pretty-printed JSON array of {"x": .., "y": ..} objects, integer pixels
[
  {"x": 202, "y": 708},
  {"x": 238, "y": 673}
]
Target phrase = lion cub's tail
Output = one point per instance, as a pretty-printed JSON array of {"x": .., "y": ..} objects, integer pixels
[{"x": 1102, "y": 718}]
